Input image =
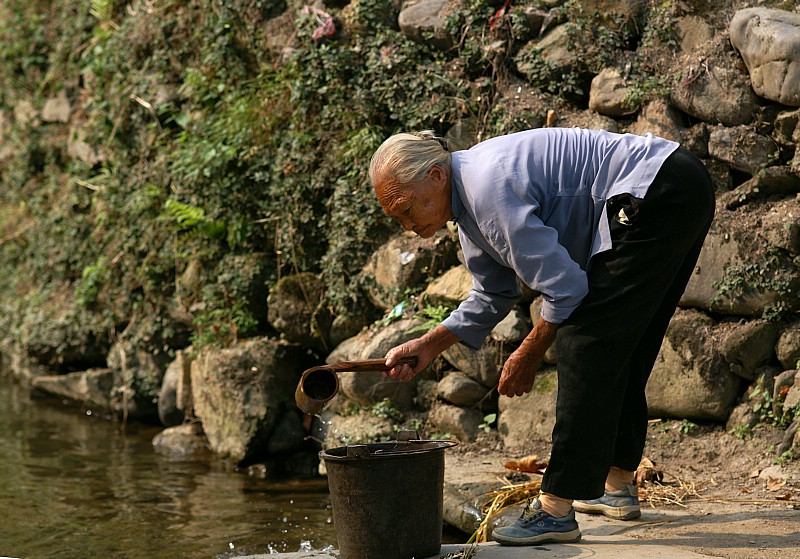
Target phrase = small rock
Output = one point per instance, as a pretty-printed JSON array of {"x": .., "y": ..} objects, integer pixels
[
  {"x": 513, "y": 328},
  {"x": 57, "y": 109},
  {"x": 460, "y": 422},
  {"x": 460, "y": 390}
]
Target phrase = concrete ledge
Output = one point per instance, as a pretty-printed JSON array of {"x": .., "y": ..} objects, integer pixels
[{"x": 596, "y": 547}]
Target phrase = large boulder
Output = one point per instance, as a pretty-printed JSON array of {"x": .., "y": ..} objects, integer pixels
[
  {"x": 181, "y": 440},
  {"x": 660, "y": 119},
  {"x": 691, "y": 379},
  {"x": 556, "y": 55},
  {"x": 769, "y": 42},
  {"x": 513, "y": 328},
  {"x": 424, "y": 22},
  {"x": 738, "y": 273},
  {"x": 406, "y": 262},
  {"x": 90, "y": 388},
  {"x": 529, "y": 417},
  {"x": 368, "y": 388},
  {"x": 693, "y": 32},
  {"x": 463, "y": 423},
  {"x": 788, "y": 346},
  {"x": 239, "y": 393},
  {"x": 609, "y": 93},
  {"x": 483, "y": 365},
  {"x": 138, "y": 377},
  {"x": 450, "y": 288},
  {"x": 296, "y": 310},
  {"x": 742, "y": 148},
  {"x": 747, "y": 345},
  {"x": 713, "y": 91},
  {"x": 460, "y": 390},
  {"x": 768, "y": 183},
  {"x": 175, "y": 397},
  {"x": 780, "y": 226}
]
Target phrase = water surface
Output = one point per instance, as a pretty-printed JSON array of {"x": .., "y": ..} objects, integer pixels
[{"x": 78, "y": 486}]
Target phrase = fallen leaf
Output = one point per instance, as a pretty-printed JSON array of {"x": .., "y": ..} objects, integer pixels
[
  {"x": 784, "y": 497},
  {"x": 755, "y": 473},
  {"x": 774, "y": 484},
  {"x": 529, "y": 463},
  {"x": 647, "y": 472},
  {"x": 745, "y": 490}
]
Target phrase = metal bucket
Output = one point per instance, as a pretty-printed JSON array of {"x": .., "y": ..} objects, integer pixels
[{"x": 387, "y": 497}]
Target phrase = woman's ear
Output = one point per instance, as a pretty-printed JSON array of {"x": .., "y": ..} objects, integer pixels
[{"x": 437, "y": 175}]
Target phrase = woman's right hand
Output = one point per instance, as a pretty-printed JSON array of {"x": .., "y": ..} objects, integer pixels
[{"x": 425, "y": 349}]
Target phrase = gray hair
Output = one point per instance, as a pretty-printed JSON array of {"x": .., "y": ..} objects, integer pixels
[{"x": 405, "y": 158}]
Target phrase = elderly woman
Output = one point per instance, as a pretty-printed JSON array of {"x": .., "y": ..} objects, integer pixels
[{"x": 608, "y": 228}]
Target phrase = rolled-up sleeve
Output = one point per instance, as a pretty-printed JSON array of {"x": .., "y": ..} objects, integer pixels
[
  {"x": 495, "y": 291},
  {"x": 545, "y": 265}
]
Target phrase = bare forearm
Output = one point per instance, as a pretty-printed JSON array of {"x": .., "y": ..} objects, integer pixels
[
  {"x": 519, "y": 370},
  {"x": 439, "y": 339},
  {"x": 540, "y": 338}
]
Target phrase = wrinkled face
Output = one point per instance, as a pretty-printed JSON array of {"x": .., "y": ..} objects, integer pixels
[{"x": 423, "y": 207}]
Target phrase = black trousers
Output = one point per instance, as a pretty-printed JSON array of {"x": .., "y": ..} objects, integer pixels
[{"x": 608, "y": 346}]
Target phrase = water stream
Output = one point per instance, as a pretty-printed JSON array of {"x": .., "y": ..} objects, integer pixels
[{"x": 76, "y": 487}]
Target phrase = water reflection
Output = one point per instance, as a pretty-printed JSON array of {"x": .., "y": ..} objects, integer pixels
[{"x": 74, "y": 486}]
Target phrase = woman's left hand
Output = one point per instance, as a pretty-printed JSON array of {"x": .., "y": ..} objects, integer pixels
[
  {"x": 519, "y": 372},
  {"x": 520, "y": 368}
]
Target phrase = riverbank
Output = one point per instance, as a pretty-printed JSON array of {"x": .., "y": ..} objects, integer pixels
[
  {"x": 699, "y": 528},
  {"x": 720, "y": 508},
  {"x": 659, "y": 534},
  {"x": 721, "y": 495}
]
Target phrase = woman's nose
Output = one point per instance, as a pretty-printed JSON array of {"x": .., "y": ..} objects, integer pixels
[{"x": 406, "y": 223}]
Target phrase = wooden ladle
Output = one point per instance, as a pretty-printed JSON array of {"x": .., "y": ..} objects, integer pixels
[{"x": 318, "y": 385}]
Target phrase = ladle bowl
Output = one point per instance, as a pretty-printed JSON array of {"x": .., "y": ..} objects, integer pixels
[{"x": 318, "y": 385}]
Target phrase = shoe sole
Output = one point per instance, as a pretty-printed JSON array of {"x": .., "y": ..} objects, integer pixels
[
  {"x": 551, "y": 537},
  {"x": 617, "y": 513}
]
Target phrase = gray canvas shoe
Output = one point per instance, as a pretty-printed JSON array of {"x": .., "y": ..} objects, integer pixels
[{"x": 621, "y": 505}]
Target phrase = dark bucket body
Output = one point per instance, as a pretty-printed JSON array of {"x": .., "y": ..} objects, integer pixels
[{"x": 387, "y": 498}]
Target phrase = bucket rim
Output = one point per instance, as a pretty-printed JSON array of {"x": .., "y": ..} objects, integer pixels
[{"x": 386, "y": 450}]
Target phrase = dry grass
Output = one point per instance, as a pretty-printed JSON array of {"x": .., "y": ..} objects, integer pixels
[
  {"x": 672, "y": 493},
  {"x": 463, "y": 553},
  {"x": 508, "y": 495},
  {"x": 655, "y": 493}
]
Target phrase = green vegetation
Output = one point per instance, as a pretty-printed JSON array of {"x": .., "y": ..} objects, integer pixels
[
  {"x": 431, "y": 315},
  {"x": 215, "y": 147},
  {"x": 772, "y": 273},
  {"x": 687, "y": 427},
  {"x": 488, "y": 421}
]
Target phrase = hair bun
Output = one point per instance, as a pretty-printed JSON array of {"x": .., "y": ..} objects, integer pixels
[{"x": 431, "y": 135}]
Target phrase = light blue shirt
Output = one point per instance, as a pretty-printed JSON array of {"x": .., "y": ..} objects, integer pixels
[{"x": 533, "y": 205}]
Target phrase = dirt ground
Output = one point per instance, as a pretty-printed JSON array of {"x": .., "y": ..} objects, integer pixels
[{"x": 721, "y": 495}]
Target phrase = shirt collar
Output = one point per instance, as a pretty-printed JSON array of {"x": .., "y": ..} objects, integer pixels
[{"x": 457, "y": 206}]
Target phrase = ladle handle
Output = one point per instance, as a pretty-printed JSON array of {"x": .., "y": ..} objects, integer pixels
[{"x": 370, "y": 364}]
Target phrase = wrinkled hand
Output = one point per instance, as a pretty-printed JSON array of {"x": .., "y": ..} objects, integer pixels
[
  {"x": 404, "y": 371},
  {"x": 519, "y": 370},
  {"x": 425, "y": 349}
]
